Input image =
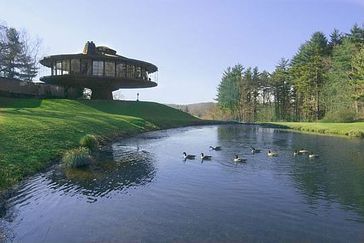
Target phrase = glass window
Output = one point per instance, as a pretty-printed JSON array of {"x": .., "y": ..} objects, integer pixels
[
  {"x": 75, "y": 65},
  {"x": 85, "y": 67},
  {"x": 54, "y": 68},
  {"x": 121, "y": 70},
  {"x": 58, "y": 68},
  {"x": 144, "y": 74},
  {"x": 138, "y": 72},
  {"x": 130, "y": 71},
  {"x": 65, "y": 66},
  {"x": 110, "y": 69},
  {"x": 98, "y": 68}
]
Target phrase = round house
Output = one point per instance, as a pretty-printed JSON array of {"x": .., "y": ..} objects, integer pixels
[{"x": 99, "y": 69}]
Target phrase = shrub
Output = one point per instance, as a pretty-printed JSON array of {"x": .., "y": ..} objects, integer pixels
[
  {"x": 340, "y": 116},
  {"x": 76, "y": 158},
  {"x": 90, "y": 142}
]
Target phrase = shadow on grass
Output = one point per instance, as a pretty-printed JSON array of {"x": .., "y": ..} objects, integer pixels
[{"x": 19, "y": 103}]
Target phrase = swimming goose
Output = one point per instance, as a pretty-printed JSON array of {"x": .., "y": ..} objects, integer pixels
[
  {"x": 216, "y": 148},
  {"x": 254, "y": 150},
  {"x": 303, "y": 151},
  {"x": 296, "y": 152},
  {"x": 205, "y": 157},
  {"x": 272, "y": 154},
  {"x": 188, "y": 156},
  {"x": 313, "y": 156},
  {"x": 238, "y": 159}
]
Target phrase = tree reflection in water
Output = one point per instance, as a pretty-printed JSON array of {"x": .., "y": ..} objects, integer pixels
[
  {"x": 116, "y": 169},
  {"x": 336, "y": 176}
]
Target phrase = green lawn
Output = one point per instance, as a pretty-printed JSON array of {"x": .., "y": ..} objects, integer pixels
[
  {"x": 34, "y": 131},
  {"x": 354, "y": 129}
]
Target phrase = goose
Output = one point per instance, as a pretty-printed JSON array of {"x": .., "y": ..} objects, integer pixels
[
  {"x": 303, "y": 151},
  {"x": 296, "y": 152},
  {"x": 205, "y": 157},
  {"x": 216, "y": 148},
  {"x": 272, "y": 154},
  {"x": 188, "y": 156},
  {"x": 238, "y": 159},
  {"x": 254, "y": 150},
  {"x": 313, "y": 156}
]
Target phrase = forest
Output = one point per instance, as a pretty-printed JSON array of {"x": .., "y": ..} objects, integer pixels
[{"x": 323, "y": 81}]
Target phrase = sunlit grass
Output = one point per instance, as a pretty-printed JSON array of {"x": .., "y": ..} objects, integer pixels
[
  {"x": 354, "y": 129},
  {"x": 33, "y": 132}
]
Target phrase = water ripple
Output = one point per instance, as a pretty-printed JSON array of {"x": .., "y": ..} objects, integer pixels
[{"x": 141, "y": 189}]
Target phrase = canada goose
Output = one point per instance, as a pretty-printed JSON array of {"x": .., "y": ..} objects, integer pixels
[
  {"x": 303, "y": 151},
  {"x": 188, "y": 156},
  {"x": 205, "y": 157},
  {"x": 272, "y": 154},
  {"x": 216, "y": 148},
  {"x": 313, "y": 156},
  {"x": 296, "y": 152},
  {"x": 238, "y": 159},
  {"x": 254, "y": 150}
]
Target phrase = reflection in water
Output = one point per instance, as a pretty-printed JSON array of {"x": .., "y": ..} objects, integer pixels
[
  {"x": 117, "y": 168},
  {"x": 336, "y": 175},
  {"x": 284, "y": 198}
]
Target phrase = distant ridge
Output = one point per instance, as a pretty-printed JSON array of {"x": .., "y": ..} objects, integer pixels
[{"x": 204, "y": 110}]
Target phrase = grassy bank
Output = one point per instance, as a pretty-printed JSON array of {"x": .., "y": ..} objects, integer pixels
[
  {"x": 33, "y": 132},
  {"x": 354, "y": 129}
]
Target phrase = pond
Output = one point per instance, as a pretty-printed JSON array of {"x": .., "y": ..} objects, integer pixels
[{"x": 141, "y": 189}]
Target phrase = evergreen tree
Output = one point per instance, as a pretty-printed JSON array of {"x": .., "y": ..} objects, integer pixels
[
  {"x": 356, "y": 34},
  {"x": 357, "y": 80},
  {"x": 308, "y": 69},
  {"x": 282, "y": 90},
  {"x": 13, "y": 54},
  {"x": 336, "y": 38},
  {"x": 228, "y": 96},
  {"x": 18, "y": 58},
  {"x": 246, "y": 95},
  {"x": 337, "y": 90}
]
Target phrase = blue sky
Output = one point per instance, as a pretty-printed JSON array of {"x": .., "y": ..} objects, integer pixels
[{"x": 191, "y": 42}]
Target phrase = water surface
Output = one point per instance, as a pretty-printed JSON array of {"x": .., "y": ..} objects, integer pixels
[{"x": 142, "y": 190}]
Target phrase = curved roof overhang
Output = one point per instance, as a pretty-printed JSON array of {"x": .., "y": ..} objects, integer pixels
[{"x": 48, "y": 60}]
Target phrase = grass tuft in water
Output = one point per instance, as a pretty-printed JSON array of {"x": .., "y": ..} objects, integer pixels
[
  {"x": 77, "y": 158},
  {"x": 89, "y": 141}
]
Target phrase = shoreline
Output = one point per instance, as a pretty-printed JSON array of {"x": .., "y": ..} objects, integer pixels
[
  {"x": 7, "y": 191},
  {"x": 36, "y": 132},
  {"x": 346, "y": 130}
]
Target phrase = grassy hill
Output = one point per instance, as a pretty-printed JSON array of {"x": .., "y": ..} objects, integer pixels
[{"x": 34, "y": 131}]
